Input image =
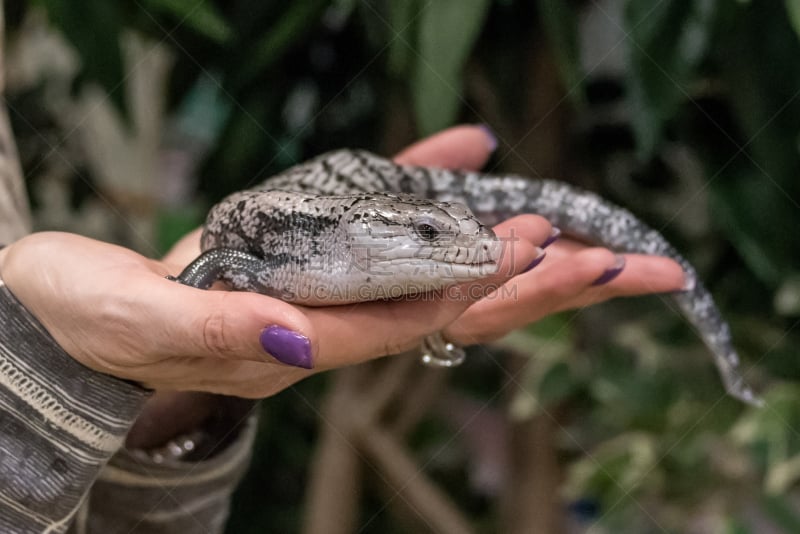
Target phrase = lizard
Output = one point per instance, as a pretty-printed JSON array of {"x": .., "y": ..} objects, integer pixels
[{"x": 350, "y": 226}]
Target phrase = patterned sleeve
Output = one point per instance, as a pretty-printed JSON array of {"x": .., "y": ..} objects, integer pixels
[
  {"x": 61, "y": 422},
  {"x": 135, "y": 495}
]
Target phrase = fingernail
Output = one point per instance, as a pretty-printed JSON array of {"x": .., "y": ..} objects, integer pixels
[
  {"x": 554, "y": 235},
  {"x": 612, "y": 272},
  {"x": 287, "y": 346},
  {"x": 491, "y": 138},
  {"x": 536, "y": 261}
]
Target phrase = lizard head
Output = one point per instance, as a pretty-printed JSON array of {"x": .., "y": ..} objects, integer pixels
[
  {"x": 323, "y": 250},
  {"x": 406, "y": 242}
]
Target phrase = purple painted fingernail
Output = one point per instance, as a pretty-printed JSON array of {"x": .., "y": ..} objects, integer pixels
[
  {"x": 555, "y": 233},
  {"x": 536, "y": 261},
  {"x": 491, "y": 138},
  {"x": 612, "y": 272},
  {"x": 287, "y": 346}
]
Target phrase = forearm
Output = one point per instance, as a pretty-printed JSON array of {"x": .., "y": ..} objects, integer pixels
[
  {"x": 182, "y": 461},
  {"x": 61, "y": 422},
  {"x": 136, "y": 493}
]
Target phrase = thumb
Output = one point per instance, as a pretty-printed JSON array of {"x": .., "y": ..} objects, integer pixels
[{"x": 234, "y": 325}]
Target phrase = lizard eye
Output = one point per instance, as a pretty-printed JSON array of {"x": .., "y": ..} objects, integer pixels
[{"x": 427, "y": 231}]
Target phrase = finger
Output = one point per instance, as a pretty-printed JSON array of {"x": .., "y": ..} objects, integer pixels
[
  {"x": 357, "y": 332},
  {"x": 461, "y": 147},
  {"x": 530, "y": 228},
  {"x": 240, "y": 378},
  {"x": 642, "y": 275},
  {"x": 563, "y": 283},
  {"x": 224, "y": 325},
  {"x": 531, "y": 296},
  {"x": 565, "y": 247}
]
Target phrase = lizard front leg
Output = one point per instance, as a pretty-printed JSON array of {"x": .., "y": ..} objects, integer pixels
[{"x": 240, "y": 270}]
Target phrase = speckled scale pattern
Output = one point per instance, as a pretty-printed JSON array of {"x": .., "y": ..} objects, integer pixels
[
  {"x": 317, "y": 249},
  {"x": 492, "y": 199}
]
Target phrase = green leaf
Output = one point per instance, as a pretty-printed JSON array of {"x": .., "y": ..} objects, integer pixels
[
  {"x": 448, "y": 30},
  {"x": 202, "y": 16},
  {"x": 781, "y": 512},
  {"x": 763, "y": 238},
  {"x": 735, "y": 526},
  {"x": 547, "y": 377},
  {"x": 666, "y": 43},
  {"x": 556, "y": 327},
  {"x": 616, "y": 469},
  {"x": 561, "y": 25},
  {"x": 403, "y": 18},
  {"x": 557, "y": 384},
  {"x": 787, "y": 297},
  {"x": 93, "y": 27},
  {"x": 298, "y": 19},
  {"x": 756, "y": 188},
  {"x": 771, "y": 431},
  {"x": 346, "y": 6},
  {"x": 174, "y": 223},
  {"x": 793, "y": 10}
]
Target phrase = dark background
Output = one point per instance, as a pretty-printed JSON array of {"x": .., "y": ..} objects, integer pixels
[{"x": 132, "y": 117}]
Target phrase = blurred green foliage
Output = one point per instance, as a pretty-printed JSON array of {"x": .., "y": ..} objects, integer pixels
[{"x": 649, "y": 432}]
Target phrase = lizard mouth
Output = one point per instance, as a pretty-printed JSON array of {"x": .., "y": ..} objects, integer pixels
[
  {"x": 468, "y": 271},
  {"x": 439, "y": 270}
]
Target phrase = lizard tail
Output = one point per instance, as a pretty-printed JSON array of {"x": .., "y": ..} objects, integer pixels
[{"x": 590, "y": 218}]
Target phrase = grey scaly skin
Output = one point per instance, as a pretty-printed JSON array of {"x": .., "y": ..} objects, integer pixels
[
  {"x": 321, "y": 250},
  {"x": 324, "y": 232}
]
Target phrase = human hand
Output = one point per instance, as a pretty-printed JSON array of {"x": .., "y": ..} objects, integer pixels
[{"x": 113, "y": 310}]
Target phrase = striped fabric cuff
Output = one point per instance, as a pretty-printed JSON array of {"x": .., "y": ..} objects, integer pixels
[{"x": 61, "y": 422}]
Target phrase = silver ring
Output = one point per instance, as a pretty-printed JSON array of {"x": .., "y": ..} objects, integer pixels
[{"x": 436, "y": 352}]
